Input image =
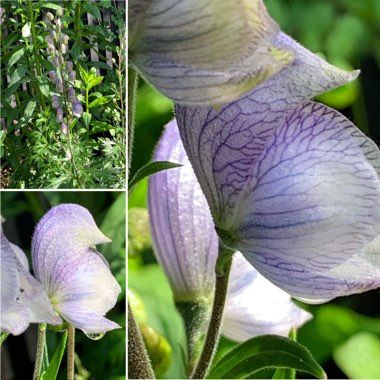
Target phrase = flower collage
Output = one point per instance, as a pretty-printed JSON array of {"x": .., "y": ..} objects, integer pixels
[{"x": 190, "y": 189}]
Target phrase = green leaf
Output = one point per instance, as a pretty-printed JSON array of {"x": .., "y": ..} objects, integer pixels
[
  {"x": 266, "y": 351},
  {"x": 75, "y": 51},
  {"x": 52, "y": 371},
  {"x": 16, "y": 56},
  {"x": 17, "y": 75},
  {"x": 149, "y": 169},
  {"x": 29, "y": 109},
  {"x": 51, "y": 6},
  {"x": 100, "y": 101},
  {"x": 100, "y": 126},
  {"x": 359, "y": 357},
  {"x": 94, "y": 82},
  {"x": 86, "y": 118},
  {"x": 93, "y": 10}
]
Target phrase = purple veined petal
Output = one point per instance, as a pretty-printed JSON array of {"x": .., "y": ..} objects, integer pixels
[
  {"x": 223, "y": 144},
  {"x": 205, "y": 52},
  {"x": 255, "y": 306},
  {"x": 23, "y": 301},
  {"x": 311, "y": 223},
  {"x": 74, "y": 275},
  {"x": 181, "y": 225}
]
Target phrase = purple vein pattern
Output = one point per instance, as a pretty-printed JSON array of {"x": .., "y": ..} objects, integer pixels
[
  {"x": 23, "y": 299},
  {"x": 204, "y": 52},
  {"x": 293, "y": 182},
  {"x": 186, "y": 246},
  {"x": 75, "y": 276}
]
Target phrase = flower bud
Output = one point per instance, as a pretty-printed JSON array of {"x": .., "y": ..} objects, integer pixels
[
  {"x": 49, "y": 16},
  {"x": 50, "y": 49},
  {"x": 49, "y": 40},
  {"x": 59, "y": 24},
  {"x": 72, "y": 75},
  {"x": 77, "y": 108},
  {"x": 65, "y": 38},
  {"x": 25, "y": 31},
  {"x": 59, "y": 115},
  {"x": 63, "y": 49},
  {"x": 60, "y": 12}
]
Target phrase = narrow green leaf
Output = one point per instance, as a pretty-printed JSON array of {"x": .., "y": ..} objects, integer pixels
[
  {"x": 16, "y": 56},
  {"x": 51, "y": 6},
  {"x": 149, "y": 169},
  {"x": 83, "y": 74},
  {"x": 266, "y": 351},
  {"x": 29, "y": 109},
  {"x": 52, "y": 371},
  {"x": 93, "y": 10},
  {"x": 75, "y": 51},
  {"x": 43, "y": 85},
  {"x": 17, "y": 75}
]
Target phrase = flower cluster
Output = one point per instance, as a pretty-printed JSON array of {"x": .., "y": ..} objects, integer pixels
[
  {"x": 73, "y": 279},
  {"x": 63, "y": 75}
]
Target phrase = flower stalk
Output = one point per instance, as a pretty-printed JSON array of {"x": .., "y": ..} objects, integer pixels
[
  {"x": 70, "y": 352},
  {"x": 41, "y": 337},
  {"x": 222, "y": 270},
  {"x": 132, "y": 86},
  {"x": 139, "y": 366}
]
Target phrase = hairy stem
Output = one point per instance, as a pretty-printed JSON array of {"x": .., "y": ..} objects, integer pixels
[
  {"x": 41, "y": 336},
  {"x": 132, "y": 86},
  {"x": 138, "y": 360},
  {"x": 222, "y": 269},
  {"x": 70, "y": 352}
]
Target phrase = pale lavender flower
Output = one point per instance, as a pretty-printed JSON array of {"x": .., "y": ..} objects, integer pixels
[
  {"x": 63, "y": 48},
  {"x": 186, "y": 245},
  {"x": 71, "y": 94},
  {"x": 77, "y": 108},
  {"x": 56, "y": 61},
  {"x": 49, "y": 40},
  {"x": 50, "y": 49},
  {"x": 72, "y": 75},
  {"x": 76, "y": 277},
  {"x": 23, "y": 300},
  {"x": 292, "y": 184},
  {"x": 59, "y": 114},
  {"x": 55, "y": 101},
  {"x": 64, "y": 128},
  {"x": 69, "y": 65},
  {"x": 59, "y": 24},
  {"x": 65, "y": 38},
  {"x": 53, "y": 76},
  {"x": 206, "y": 51}
]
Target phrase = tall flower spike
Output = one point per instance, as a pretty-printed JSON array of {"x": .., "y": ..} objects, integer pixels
[
  {"x": 186, "y": 246},
  {"x": 74, "y": 274},
  {"x": 23, "y": 300},
  {"x": 204, "y": 51},
  {"x": 292, "y": 184}
]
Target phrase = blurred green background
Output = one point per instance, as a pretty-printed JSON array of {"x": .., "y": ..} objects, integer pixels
[
  {"x": 103, "y": 359},
  {"x": 344, "y": 335}
]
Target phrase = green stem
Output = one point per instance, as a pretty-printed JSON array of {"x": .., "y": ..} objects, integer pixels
[
  {"x": 41, "y": 336},
  {"x": 139, "y": 366},
  {"x": 132, "y": 87},
  {"x": 3, "y": 336},
  {"x": 222, "y": 269},
  {"x": 70, "y": 352}
]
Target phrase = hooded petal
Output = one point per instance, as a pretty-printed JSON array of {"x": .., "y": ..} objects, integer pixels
[
  {"x": 182, "y": 229},
  {"x": 223, "y": 144},
  {"x": 255, "y": 306},
  {"x": 205, "y": 52},
  {"x": 186, "y": 246},
  {"x": 76, "y": 277},
  {"x": 23, "y": 300}
]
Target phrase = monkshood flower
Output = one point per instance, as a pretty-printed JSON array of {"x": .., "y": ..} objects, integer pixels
[
  {"x": 23, "y": 300},
  {"x": 75, "y": 276},
  {"x": 292, "y": 184},
  {"x": 204, "y": 51},
  {"x": 186, "y": 246}
]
